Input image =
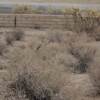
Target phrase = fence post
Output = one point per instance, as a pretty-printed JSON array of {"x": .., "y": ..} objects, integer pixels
[{"x": 15, "y": 21}]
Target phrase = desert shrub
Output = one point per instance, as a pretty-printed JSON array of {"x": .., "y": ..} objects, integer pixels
[
  {"x": 2, "y": 47},
  {"x": 84, "y": 55},
  {"x": 78, "y": 38},
  {"x": 32, "y": 78},
  {"x": 94, "y": 72},
  {"x": 95, "y": 34},
  {"x": 13, "y": 36},
  {"x": 47, "y": 10},
  {"x": 23, "y": 9},
  {"x": 9, "y": 38},
  {"x": 85, "y": 21},
  {"x": 55, "y": 11},
  {"x": 57, "y": 36},
  {"x": 30, "y": 87},
  {"x": 58, "y": 43},
  {"x": 18, "y": 34},
  {"x": 66, "y": 60},
  {"x": 41, "y": 9}
]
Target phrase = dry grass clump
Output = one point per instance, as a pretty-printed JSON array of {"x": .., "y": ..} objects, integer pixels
[
  {"x": 79, "y": 38},
  {"x": 18, "y": 34},
  {"x": 74, "y": 48},
  {"x": 94, "y": 72},
  {"x": 15, "y": 35},
  {"x": 9, "y": 39},
  {"x": 32, "y": 78},
  {"x": 55, "y": 36},
  {"x": 67, "y": 37},
  {"x": 96, "y": 34},
  {"x": 84, "y": 55},
  {"x": 30, "y": 87},
  {"x": 43, "y": 69},
  {"x": 61, "y": 48},
  {"x": 2, "y": 47}
]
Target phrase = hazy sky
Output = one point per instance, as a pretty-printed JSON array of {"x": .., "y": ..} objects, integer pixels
[{"x": 71, "y": 1}]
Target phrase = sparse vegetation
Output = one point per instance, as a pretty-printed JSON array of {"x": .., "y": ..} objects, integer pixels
[
  {"x": 9, "y": 39},
  {"x": 95, "y": 75},
  {"x": 18, "y": 34},
  {"x": 86, "y": 20},
  {"x": 29, "y": 81},
  {"x": 84, "y": 55},
  {"x": 55, "y": 36},
  {"x": 46, "y": 60},
  {"x": 51, "y": 65},
  {"x": 2, "y": 47},
  {"x": 14, "y": 35},
  {"x": 22, "y": 9},
  {"x": 29, "y": 87}
]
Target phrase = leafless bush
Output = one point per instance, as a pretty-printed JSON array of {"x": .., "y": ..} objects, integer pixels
[
  {"x": 94, "y": 72},
  {"x": 55, "y": 36},
  {"x": 30, "y": 87},
  {"x": 85, "y": 21},
  {"x": 13, "y": 36},
  {"x": 57, "y": 45},
  {"x": 84, "y": 55},
  {"x": 18, "y": 34},
  {"x": 95, "y": 34},
  {"x": 2, "y": 47},
  {"x": 35, "y": 71},
  {"x": 9, "y": 39},
  {"x": 31, "y": 78}
]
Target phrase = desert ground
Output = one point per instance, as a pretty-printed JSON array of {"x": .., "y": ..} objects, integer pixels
[{"x": 49, "y": 65}]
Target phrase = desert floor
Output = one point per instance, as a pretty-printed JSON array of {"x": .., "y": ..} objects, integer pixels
[{"x": 45, "y": 53}]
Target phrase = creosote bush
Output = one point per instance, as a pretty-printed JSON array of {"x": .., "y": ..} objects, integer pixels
[
  {"x": 84, "y": 55},
  {"x": 58, "y": 36},
  {"x": 41, "y": 71},
  {"x": 14, "y": 35},
  {"x": 2, "y": 47},
  {"x": 30, "y": 87},
  {"x": 86, "y": 20},
  {"x": 31, "y": 78},
  {"x": 18, "y": 34},
  {"x": 55, "y": 36},
  {"x": 9, "y": 38},
  {"x": 94, "y": 72},
  {"x": 96, "y": 34}
]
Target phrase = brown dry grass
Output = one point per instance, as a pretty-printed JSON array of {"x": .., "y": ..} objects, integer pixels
[
  {"x": 13, "y": 35},
  {"x": 94, "y": 72},
  {"x": 39, "y": 67}
]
